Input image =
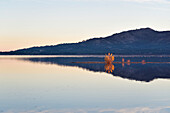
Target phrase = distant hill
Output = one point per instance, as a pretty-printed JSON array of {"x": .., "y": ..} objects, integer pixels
[{"x": 144, "y": 41}]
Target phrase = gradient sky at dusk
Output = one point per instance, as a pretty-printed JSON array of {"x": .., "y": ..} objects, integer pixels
[{"x": 26, "y": 23}]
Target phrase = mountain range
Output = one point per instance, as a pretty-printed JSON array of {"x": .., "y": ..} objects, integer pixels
[{"x": 144, "y": 41}]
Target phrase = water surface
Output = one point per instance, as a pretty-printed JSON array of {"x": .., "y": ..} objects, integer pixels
[{"x": 55, "y": 84}]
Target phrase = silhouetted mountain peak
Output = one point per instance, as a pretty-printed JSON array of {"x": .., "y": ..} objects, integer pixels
[
  {"x": 141, "y": 30},
  {"x": 146, "y": 29}
]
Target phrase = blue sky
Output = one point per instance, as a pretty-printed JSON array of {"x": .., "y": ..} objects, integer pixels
[{"x": 26, "y": 23}]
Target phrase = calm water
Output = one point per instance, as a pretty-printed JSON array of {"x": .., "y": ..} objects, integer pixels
[{"x": 55, "y": 84}]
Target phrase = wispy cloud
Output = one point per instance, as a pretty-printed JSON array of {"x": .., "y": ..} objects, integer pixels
[
  {"x": 165, "y": 109},
  {"x": 156, "y": 1}
]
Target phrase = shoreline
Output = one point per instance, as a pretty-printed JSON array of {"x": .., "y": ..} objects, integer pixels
[{"x": 123, "y": 62}]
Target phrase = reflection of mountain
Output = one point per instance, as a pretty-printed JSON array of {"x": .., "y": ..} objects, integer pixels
[{"x": 139, "y": 72}]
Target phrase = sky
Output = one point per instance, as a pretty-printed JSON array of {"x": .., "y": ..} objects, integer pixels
[{"x": 27, "y": 23}]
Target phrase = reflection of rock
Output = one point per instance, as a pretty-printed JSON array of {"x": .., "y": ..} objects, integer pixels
[
  {"x": 143, "y": 62},
  {"x": 139, "y": 72},
  {"x": 128, "y": 62},
  {"x": 109, "y": 68}
]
